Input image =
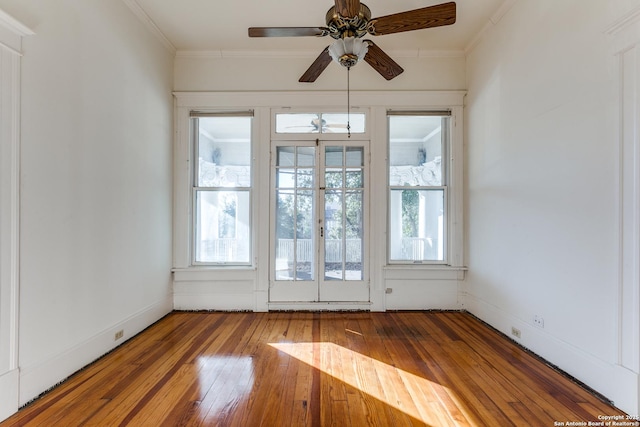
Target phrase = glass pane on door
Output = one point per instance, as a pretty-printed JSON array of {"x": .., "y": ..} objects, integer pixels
[
  {"x": 343, "y": 213},
  {"x": 295, "y": 214},
  {"x": 319, "y": 215}
]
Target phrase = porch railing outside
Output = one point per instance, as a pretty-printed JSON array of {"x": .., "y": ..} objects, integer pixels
[{"x": 333, "y": 250}]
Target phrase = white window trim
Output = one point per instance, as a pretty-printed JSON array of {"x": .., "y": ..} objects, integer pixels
[
  {"x": 195, "y": 190},
  {"x": 448, "y": 170}
]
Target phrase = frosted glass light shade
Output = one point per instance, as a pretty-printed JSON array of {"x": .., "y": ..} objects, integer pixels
[{"x": 348, "y": 51}]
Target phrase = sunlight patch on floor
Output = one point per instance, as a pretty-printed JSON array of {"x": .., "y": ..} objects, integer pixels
[{"x": 412, "y": 394}]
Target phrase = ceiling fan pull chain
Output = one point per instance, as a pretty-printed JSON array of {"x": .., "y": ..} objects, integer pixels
[{"x": 348, "y": 105}]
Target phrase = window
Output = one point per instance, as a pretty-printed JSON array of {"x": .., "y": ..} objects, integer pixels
[
  {"x": 320, "y": 123},
  {"x": 222, "y": 188},
  {"x": 418, "y": 186}
]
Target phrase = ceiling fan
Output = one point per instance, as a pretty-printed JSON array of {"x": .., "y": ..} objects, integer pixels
[{"x": 348, "y": 21}]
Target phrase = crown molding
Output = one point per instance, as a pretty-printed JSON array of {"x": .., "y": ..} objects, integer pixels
[
  {"x": 151, "y": 26},
  {"x": 14, "y": 25},
  {"x": 497, "y": 16},
  {"x": 12, "y": 39},
  {"x": 624, "y": 32},
  {"x": 623, "y": 22}
]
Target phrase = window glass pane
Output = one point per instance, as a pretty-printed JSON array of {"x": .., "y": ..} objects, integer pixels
[
  {"x": 333, "y": 156},
  {"x": 355, "y": 156},
  {"x": 333, "y": 235},
  {"x": 333, "y": 178},
  {"x": 337, "y": 123},
  {"x": 224, "y": 151},
  {"x": 223, "y": 227},
  {"x": 228, "y": 203},
  {"x": 295, "y": 215},
  {"x": 285, "y": 178},
  {"x": 305, "y": 254},
  {"x": 306, "y": 156},
  {"x": 416, "y": 225},
  {"x": 354, "y": 230},
  {"x": 285, "y": 256},
  {"x": 354, "y": 178},
  {"x": 305, "y": 178},
  {"x": 286, "y": 156},
  {"x": 415, "y": 150},
  {"x": 295, "y": 256},
  {"x": 320, "y": 123},
  {"x": 284, "y": 213},
  {"x": 297, "y": 123}
]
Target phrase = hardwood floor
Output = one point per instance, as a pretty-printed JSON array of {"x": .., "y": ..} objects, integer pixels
[{"x": 316, "y": 369}]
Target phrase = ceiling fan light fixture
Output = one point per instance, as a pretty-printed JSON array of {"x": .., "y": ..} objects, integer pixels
[{"x": 348, "y": 51}]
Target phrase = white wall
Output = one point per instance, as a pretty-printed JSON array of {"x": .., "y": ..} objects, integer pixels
[
  {"x": 213, "y": 71},
  {"x": 543, "y": 187},
  {"x": 95, "y": 233}
]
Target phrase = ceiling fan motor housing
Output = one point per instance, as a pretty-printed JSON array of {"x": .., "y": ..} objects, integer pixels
[{"x": 340, "y": 26}]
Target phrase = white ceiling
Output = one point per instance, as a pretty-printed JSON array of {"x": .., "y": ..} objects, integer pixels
[{"x": 217, "y": 25}]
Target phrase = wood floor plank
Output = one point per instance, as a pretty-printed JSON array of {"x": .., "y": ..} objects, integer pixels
[
  {"x": 217, "y": 368},
  {"x": 270, "y": 367},
  {"x": 298, "y": 377},
  {"x": 394, "y": 385},
  {"x": 425, "y": 344},
  {"x": 126, "y": 406},
  {"x": 393, "y": 390},
  {"x": 528, "y": 374},
  {"x": 316, "y": 369},
  {"x": 420, "y": 389},
  {"x": 329, "y": 365}
]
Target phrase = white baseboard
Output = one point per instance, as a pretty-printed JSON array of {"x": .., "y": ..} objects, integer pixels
[
  {"x": 320, "y": 306},
  {"x": 214, "y": 301},
  {"x": 406, "y": 294},
  {"x": 36, "y": 379},
  {"x": 614, "y": 382},
  {"x": 9, "y": 394}
]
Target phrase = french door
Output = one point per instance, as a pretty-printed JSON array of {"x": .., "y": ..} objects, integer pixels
[{"x": 319, "y": 242}]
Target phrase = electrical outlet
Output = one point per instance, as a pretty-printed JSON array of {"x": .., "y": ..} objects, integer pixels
[
  {"x": 538, "y": 321},
  {"x": 119, "y": 335},
  {"x": 515, "y": 332},
  {"x": 388, "y": 290}
]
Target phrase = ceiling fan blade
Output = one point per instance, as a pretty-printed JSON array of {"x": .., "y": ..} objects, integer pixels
[
  {"x": 427, "y": 17},
  {"x": 318, "y": 66},
  {"x": 287, "y": 31},
  {"x": 381, "y": 62},
  {"x": 348, "y": 8}
]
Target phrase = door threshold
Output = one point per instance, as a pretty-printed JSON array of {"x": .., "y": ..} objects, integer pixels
[{"x": 320, "y": 306}]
